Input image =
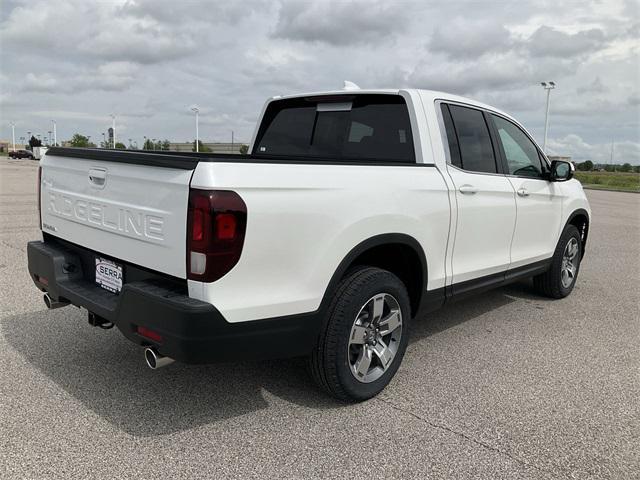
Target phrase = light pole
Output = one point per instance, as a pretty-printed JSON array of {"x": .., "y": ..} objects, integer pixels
[
  {"x": 197, "y": 111},
  {"x": 548, "y": 86},
  {"x": 49, "y": 137},
  {"x": 55, "y": 135},
  {"x": 231, "y": 141},
  {"x": 13, "y": 136},
  {"x": 113, "y": 126}
]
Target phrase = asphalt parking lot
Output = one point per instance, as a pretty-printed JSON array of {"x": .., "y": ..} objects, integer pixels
[{"x": 505, "y": 385}]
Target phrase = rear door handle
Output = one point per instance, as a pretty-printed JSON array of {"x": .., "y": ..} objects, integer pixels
[
  {"x": 523, "y": 192},
  {"x": 468, "y": 189}
]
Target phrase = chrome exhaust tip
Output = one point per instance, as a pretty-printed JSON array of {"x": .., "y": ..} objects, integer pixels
[
  {"x": 155, "y": 360},
  {"x": 51, "y": 303}
]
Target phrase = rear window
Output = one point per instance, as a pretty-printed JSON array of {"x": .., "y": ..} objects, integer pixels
[{"x": 345, "y": 128}]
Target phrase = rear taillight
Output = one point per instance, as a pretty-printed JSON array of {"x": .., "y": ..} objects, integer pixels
[
  {"x": 216, "y": 224},
  {"x": 40, "y": 196}
]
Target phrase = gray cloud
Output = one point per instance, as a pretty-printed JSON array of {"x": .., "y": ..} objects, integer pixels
[
  {"x": 549, "y": 42},
  {"x": 463, "y": 38},
  {"x": 341, "y": 23},
  {"x": 149, "y": 60}
]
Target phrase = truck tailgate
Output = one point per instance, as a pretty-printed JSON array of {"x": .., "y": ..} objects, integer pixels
[{"x": 136, "y": 213}]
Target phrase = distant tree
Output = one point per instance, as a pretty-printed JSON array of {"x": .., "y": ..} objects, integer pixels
[
  {"x": 120, "y": 146},
  {"x": 165, "y": 145},
  {"x": 586, "y": 166},
  {"x": 626, "y": 167},
  {"x": 34, "y": 142},
  {"x": 148, "y": 145},
  {"x": 244, "y": 149},
  {"x": 80, "y": 141},
  {"x": 201, "y": 147},
  {"x": 636, "y": 169}
]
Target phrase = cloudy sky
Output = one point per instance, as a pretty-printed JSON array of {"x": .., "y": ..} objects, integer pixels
[{"x": 148, "y": 61}]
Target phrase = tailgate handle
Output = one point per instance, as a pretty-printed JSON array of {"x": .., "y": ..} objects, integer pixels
[{"x": 97, "y": 176}]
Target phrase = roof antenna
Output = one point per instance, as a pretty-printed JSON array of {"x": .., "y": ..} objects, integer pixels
[{"x": 350, "y": 86}]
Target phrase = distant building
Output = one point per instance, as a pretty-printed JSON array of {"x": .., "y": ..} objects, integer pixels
[
  {"x": 233, "y": 148},
  {"x": 5, "y": 146}
]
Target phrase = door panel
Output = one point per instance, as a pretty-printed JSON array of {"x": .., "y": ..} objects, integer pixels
[
  {"x": 539, "y": 217},
  {"x": 485, "y": 200},
  {"x": 485, "y": 224}
]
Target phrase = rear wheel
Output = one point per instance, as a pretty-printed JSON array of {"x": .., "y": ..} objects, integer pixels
[
  {"x": 365, "y": 335},
  {"x": 559, "y": 280}
]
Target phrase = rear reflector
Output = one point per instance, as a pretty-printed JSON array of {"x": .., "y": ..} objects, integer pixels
[
  {"x": 42, "y": 280},
  {"x": 150, "y": 334}
]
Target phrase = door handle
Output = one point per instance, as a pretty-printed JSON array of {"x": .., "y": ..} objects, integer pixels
[
  {"x": 468, "y": 189},
  {"x": 97, "y": 176},
  {"x": 523, "y": 192}
]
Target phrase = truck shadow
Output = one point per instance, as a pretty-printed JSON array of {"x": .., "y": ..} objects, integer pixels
[{"x": 107, "y": 374}]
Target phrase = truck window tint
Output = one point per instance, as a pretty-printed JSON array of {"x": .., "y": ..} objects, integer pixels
[
  {"x": 520, "y": 152},
  {"x": 376, "y": 128},
  {"x": 454, "y": 150},
  {"x": 476, "y": 150}
]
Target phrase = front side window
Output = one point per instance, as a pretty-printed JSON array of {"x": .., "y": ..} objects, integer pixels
[
  {"x": 521, "y": 154},
  {"x": 356, "y": 127},
  {"x": 474, "y": 142}
]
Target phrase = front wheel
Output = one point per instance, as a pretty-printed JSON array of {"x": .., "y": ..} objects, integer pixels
[
  {"x": 364, "y": 337},
  {"x": 559, "y": 280}
]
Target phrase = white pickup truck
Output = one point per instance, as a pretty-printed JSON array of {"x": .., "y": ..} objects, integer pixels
[{"x": 355, "y": 212}]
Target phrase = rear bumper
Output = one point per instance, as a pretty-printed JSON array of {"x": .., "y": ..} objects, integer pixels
[{"x": 192, "y": 331}]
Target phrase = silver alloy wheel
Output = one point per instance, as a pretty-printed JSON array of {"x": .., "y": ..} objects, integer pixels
[
  {"x": 375, "y": 337},
  {"x": 569, "y": 263}
]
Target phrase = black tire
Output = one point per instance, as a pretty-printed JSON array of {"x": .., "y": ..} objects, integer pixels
[
  {"x": 550, "y": 283},
  {"x": 329, "y": 361}
]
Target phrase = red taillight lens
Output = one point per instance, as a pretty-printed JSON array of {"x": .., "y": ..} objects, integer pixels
[
  {"x": 40, "y": 195},
  {"x": 150, "y": 334},
  {"x": 216, "y": 224},
  {"x": 225, "y": 226},
  {"x": 200, "y": 211}
]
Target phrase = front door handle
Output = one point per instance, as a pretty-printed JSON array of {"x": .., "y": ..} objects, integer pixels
[
  {"x": 468, "y": 189},
  {"x": 523, "y": 192}
]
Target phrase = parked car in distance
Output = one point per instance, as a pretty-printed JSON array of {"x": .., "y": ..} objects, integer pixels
[
  {"x": 21, "y": 154},
  {"x": 355, "y": 213}
]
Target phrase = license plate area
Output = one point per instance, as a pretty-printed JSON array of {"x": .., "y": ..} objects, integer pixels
[{"x": 109, "y": 275}]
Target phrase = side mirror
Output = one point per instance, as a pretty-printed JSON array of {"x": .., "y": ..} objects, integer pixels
[{"x": 561, "y": 171}]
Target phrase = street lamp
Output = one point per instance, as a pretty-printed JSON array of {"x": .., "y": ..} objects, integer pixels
[
  {"x": 113, "y": 126},
  {"x": 548, "y": 86},
  {"x": 55, "y": 135},
  {"x": 13, "y": 135},
  {"x": 49, "y": 137},
  {"x": 197, "y": 111}
]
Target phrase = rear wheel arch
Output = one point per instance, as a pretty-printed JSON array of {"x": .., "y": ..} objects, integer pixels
[{"x": 398, "y": 253}]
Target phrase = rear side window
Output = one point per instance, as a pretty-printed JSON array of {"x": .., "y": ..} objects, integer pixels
[
  {"x": 474, "y": 142},
  {"x": 345, "y": 128}
]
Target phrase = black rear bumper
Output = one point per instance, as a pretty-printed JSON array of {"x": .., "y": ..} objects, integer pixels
[{"x": 192, "y": 331}]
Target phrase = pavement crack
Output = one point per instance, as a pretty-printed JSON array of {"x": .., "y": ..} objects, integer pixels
[{"x": 461, "y": 434}]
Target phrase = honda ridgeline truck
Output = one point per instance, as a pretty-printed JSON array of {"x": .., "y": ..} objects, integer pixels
[{"x": 354, "y": 213}]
